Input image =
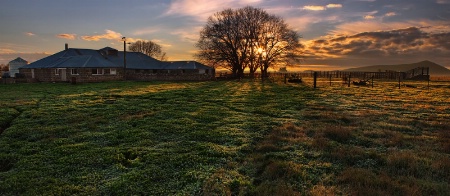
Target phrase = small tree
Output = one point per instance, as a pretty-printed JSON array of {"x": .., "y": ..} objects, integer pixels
[
  {"x": 4, "y": 67},
  {"x": 149, "y": 48},
  {"x": 247, "y": 38}
]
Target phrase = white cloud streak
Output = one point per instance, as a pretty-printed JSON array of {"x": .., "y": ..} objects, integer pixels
[
  {"x": 443, "y": 1},
  {"x": 334, "y": 6},
  {"x": 390, "y": 14},
  {"x": 320, "y": 7},
  {"x": 202, "y": 9},
  {"x": 314, "y": 7}
]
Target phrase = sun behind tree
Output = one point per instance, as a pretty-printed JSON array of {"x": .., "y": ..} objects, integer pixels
[{"x": 247, "y": 38}]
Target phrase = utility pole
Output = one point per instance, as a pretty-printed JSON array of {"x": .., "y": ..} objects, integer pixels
[{"x": 124, "y": 53}]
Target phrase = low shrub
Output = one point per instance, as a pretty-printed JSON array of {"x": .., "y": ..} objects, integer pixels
[
  {"x": 338, "y": 133},
  {"x": 404, "y": 163},
  {"x": 280, "y": 188},
  {"x": 362, "y": 181},
  {"x": 444, "y": 139}
]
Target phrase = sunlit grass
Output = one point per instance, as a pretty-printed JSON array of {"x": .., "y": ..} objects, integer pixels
[{"x": 225, "y": 137}]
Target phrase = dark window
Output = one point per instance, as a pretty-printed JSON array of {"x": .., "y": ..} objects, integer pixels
[
  {"x": 74, "y": 71},
  {"x": 97, "y": 72}
]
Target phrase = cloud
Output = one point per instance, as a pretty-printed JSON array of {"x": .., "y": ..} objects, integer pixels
[
  {"x": 369, "y": 17},
  {"x": 6, "y": 51},
  {"x": 377, "y": 25},
  {"x": 443, "y": 1},
  {"x": 321, "y": 8},
  {"x": 390, "y": 14},
  {"x": 9, "y": 55},
  {"x": 109, "y": 35},
  {"x": 202, "y": 9},
  {"x": 66, "y": 36},
  {"x": 191, "y": 35},
  {"x": 405, "y": 43},
  {"x": 147, "y": 31},
  {"x": 314, "y": 7},
  {"x": 334, "y": 5},
  {"x": 161, "y": 43},
  {"x": 30, "y": 34}
]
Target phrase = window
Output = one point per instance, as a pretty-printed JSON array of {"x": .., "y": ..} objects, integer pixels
[
  {"x": 57, "y": 72},
  {"x": 74, "y": 71},
  {"x": 97, "y": 72},
  {"x": 113, "y": 72},
  {"x": 106, "y": 71}
]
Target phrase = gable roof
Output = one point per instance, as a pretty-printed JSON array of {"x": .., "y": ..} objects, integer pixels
[
  {"x": 19, "y": 60},
  {"x": 108, "y": 58}
]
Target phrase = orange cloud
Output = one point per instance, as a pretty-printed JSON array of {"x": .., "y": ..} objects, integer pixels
[
  {"x": 66, "y": 36},
  {"x": 110, "y": 35},
  {"x": 6, "y": 51},
  {"x": 314, "y": 7},
  {"x": 30, "y": 34},
  {"x": 369, "y": 17}
]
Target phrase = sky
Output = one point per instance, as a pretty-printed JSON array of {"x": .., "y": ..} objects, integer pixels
[{"x": 335, "y": 34}]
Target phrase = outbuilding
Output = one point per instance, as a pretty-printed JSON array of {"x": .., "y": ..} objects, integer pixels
[{"x": 14, "y": 66}]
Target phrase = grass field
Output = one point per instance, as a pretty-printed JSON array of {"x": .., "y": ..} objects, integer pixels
[{"x": 224, "y": 138}]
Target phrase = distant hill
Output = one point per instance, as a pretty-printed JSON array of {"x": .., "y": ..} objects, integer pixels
[{"x": 435, "y": 69}]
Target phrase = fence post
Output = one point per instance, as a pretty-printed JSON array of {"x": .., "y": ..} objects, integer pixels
[
  {"x": 372, "y": 81},
  {"x": 399, "y": 80},
  {"x": 315, "y": 79},
  {"x": 330, "y": 79},
  {"x": 285, "y": 75},
  {"x": 349, "y": 79}
]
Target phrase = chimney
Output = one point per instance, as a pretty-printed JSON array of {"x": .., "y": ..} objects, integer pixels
[{"x": 67, "y": 46}]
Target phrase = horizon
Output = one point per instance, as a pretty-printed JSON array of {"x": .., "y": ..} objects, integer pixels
[{"x": 335, "y": 34}]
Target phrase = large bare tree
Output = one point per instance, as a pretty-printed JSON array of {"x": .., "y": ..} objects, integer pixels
[
  {"x": 247, "y": 38},
  {"x": 149, "y": 48}
]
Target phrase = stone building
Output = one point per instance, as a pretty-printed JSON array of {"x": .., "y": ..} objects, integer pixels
[{"x": 108, "y": 64}]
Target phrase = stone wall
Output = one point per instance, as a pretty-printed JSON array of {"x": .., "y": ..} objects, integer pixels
[
  {"x": 83, "y": 75},
  {"x": 166, "y": 75}
]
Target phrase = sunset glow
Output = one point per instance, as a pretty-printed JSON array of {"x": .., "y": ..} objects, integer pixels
[{"x": 351, "y": 33}]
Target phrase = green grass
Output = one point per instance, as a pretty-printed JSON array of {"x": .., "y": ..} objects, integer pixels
[{"x": 224, "y": 138}]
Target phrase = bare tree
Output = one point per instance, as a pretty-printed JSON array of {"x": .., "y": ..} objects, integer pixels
[
  {"x": 149, "y": 48},
  {"x": 246, "y": 38}
]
